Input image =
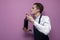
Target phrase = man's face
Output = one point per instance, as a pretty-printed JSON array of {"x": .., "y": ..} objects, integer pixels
[{"x": 34, "y": 10}]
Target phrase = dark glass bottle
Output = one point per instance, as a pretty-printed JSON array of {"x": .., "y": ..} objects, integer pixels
[{"x": 26, "y": 23}]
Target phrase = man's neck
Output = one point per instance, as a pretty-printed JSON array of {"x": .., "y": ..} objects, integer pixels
[{"x": 37, "y": 14}]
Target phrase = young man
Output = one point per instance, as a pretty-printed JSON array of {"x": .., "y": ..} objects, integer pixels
[{"x": 41, "y": 25}]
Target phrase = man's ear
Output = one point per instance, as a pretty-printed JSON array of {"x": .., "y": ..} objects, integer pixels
[{"x": 38, "y": 10}]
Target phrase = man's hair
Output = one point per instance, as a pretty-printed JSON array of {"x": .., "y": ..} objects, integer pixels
[{"x": 39, "y": 6}]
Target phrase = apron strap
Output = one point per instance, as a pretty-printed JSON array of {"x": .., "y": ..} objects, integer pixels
[{"x": 40, "y": 18}]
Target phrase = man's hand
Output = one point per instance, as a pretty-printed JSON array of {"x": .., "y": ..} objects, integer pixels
[
  {"x": 30, "y": 18},
  {"x": 27, "y": 30}
]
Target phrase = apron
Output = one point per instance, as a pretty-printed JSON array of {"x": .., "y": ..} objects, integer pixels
[{"x": 39, "y": 35}]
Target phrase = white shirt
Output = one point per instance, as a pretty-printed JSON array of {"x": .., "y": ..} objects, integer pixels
[{"x": 44, "y": 26}]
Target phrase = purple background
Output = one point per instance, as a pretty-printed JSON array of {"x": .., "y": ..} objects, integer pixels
[{"x": 12, "y": 14}]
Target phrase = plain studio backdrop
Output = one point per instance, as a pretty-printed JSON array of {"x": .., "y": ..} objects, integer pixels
[{"x": 12, "y": 14}]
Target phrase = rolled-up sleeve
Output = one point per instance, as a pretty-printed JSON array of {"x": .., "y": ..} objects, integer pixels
[{"x": 44, "y": 28}]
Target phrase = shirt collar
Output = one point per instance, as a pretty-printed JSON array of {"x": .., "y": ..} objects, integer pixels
[{"x": 37, "y": 17}]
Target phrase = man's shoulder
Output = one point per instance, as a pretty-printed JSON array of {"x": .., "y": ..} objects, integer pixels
[{"x": 45, "y": 17}]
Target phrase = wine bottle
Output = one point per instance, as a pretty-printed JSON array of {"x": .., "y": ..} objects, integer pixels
[{"x": 26, "y": 23}]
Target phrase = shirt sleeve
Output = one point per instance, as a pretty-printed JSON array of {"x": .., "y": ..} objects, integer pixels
[{"x": 44, "y": 28}]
